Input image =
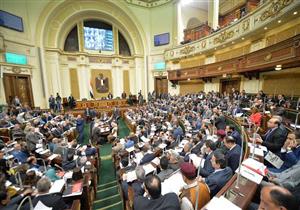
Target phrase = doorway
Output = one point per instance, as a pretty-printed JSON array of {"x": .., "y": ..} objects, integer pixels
[
  {"x": 161, "y": 85},
  {"x": 228, "y": 84},
  {"x": 18, "y": 85}
]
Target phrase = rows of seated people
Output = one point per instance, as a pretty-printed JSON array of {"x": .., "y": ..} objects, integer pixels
[
  {"x": 182, "y": 151},
  {"x": 41, "y": 149}
]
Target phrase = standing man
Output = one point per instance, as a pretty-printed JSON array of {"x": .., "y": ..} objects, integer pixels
[
  {"x": 80, "y": 128},
  {"x": 58, "y": 102},
  {"x": 51, "y": 102}
]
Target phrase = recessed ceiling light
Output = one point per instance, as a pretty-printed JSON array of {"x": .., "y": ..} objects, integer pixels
[
  {"x": 295, "y": 13},
  {"x": 279, "y": 21},
  {"x": 189, "y": 79},
  {"x": 278, "y": 68},
  {"x": 266, "y": 28},
  {"x": 243, "y": 38}
]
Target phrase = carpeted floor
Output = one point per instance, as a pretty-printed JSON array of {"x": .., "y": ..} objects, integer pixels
[{"x": 108, "y": 195}]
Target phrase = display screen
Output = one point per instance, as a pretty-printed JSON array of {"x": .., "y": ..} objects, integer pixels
[
  {"x": 98, "y": 39},
  {"x": 15, "y": 58},
  {"x": 161, "y": 39},
  {"x": 11, "y": 21}
]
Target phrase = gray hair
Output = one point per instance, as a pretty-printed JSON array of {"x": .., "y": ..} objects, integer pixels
[
  {"x": 43, "y": 185},
  {"x": 140, "y": 173}
]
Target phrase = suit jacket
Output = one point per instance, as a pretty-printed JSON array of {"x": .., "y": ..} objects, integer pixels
[
  {"x": 237, "y": 136},
  {"x": 13, "y": 204},
  {"x": 274, "y": 140},
  {"x": 147, "y": 158},
  {"x": 168, "y": 201},
  {"x": 220, "y": 123},
  {"x": 207, "y": 167},
  {"x": 218, "y": 179},
  {"x": 233, "y": 157},
  {"x": 53, "y": 200}
]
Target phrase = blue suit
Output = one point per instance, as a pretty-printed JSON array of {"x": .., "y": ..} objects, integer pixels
[
  {"x": 207, "y": 167},
  {"x": 177, "y": 132},
  {"x": 290, "y": 158},
  {"x": 217, "y": 180},
  {"x": 80, "y": 128},
  {"x": 233, "y": 157}
]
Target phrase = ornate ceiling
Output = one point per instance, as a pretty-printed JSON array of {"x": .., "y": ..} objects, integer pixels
[{"x": 148, "y": 3}]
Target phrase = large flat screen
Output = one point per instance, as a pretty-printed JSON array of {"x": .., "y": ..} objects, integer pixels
[
  {"x": 161, "y": 39},
  {"x": 11, "y": 21},
  {"x": 98, "y": 39},
  {"x": 15, "y": 58}
]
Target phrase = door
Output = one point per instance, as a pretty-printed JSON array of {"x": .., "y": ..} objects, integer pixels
[
  {"x": 227, "y": 85},
  {"x": 18, "y": 85},
  {"x": 161, "y": 85}
]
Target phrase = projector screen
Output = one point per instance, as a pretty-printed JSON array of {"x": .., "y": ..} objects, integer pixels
[{"x": 98, "y": 39}]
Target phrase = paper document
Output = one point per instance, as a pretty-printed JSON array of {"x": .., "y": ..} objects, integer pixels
[
  {"x": 144, "y": 139},
  {"x": 274, "y": 159},
  {"x": 57, "y": 186},
  {"x": 149, "y": 168},
  {"x": 221, "y": 203}
]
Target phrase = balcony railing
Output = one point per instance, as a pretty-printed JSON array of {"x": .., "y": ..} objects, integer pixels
[{"x": 258, "y": 19}]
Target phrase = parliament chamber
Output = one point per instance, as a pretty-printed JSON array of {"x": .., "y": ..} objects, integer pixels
[{"x": 149, "y": 104}]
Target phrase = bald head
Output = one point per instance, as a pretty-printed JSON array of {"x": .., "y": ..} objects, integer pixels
[
  {"x": 277, "y": 198},
  {"x": 153, "y": 186}
]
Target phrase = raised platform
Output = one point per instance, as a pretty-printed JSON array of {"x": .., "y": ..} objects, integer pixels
[{"x": 101, "y": 103}]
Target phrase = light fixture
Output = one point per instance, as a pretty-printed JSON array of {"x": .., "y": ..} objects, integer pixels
[
  {"x": 189, "y": 79},
  {"x": 266, "y": 28},
  {"x": 279, "y": 21},
  {"x": 278, "y": 68},
  {"x": 215, "y": 48},
  {"x": 232, "y": 42},
  {"x": 243, "y": 38},
  {"x": 235, "y": 20},
  {"x": 295, "y": 13}
]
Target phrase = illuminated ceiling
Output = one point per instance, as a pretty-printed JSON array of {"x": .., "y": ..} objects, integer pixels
[{"x": 148, "y": 3}]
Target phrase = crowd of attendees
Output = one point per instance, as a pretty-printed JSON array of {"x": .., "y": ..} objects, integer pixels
[
  {"x": 189, "y": 135},
  {"x": 180, "y": 153}
]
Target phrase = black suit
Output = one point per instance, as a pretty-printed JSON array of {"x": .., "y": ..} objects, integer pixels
[
  {"x": 166, "y": 202},
  {"x": 233, "y": 157},
  {"x": 274, "y": 140},
  {"x": 53, "y": 200}
]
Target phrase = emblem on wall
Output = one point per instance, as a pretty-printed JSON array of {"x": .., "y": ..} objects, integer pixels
[{"x": 102, "y": 85}]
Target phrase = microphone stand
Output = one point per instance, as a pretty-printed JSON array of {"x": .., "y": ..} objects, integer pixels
[
  {"x": 298, "y": 103},
  {"x": 241, "y": 157},
  {"x": 22, "y": 202},
  {"x": 197, "y": 193}
]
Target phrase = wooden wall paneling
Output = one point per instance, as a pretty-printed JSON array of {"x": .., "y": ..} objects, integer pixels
[
  {"x": 187, "y": 87},
  {"x": 126, "y": 82},
  {"x": 74, "y": 84}
]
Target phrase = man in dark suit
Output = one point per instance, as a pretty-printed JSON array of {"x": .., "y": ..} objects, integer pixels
[
  {"x": 230, "y": 130},
  {"x": 274, "y": 138},
  {"x": 155, "y": 200},
  {"x": 207, "y": 167},
  {"x": 80, "y": 128},
  {"x": 51, "y": 200},
  {"x": 220, "y": 176},
  {"x": 233, "y": 154}
]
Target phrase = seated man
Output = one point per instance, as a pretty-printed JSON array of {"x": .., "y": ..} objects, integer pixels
[
  {"x": 207, "y": 167},
  {"x": 18, "y": 154},
  {"x": 275, "y": 197},
  {"x": 233, "y": 154},
  {"x": 137, "y": 184},
  {"x": 290, "y": 152},
  {"x": 230, "y": 129},
  {"x": 274, "y": 138},
  {"x": 154, "y": 200},
  {"x": 51, "y": 200},
  {"x": 190, "y": 192},
  {"x": 165, "y": 171},
  {"x": 8, "y": 204},
  {"x": 220, "y": 176}
]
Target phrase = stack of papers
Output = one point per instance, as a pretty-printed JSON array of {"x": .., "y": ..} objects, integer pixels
[
  {"x": 144, "y": 139},
  {"x": 196, "y": 160},
  {"x": 131, "y": 176},
  {"x": 259, "y": 149},
  {"x": 221, "y": 203},
  {"x": 173, "y": 184},
  {"x": 162, "y": 146},
  {"x": 52, "y": 156},
  {"x": 253, "y": 170}
]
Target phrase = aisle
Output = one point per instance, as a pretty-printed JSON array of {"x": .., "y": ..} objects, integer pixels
[{"x": 108, "y": 195}]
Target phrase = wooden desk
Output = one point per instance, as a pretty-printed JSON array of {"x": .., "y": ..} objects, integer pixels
[{"x": 101, "y": 103}]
